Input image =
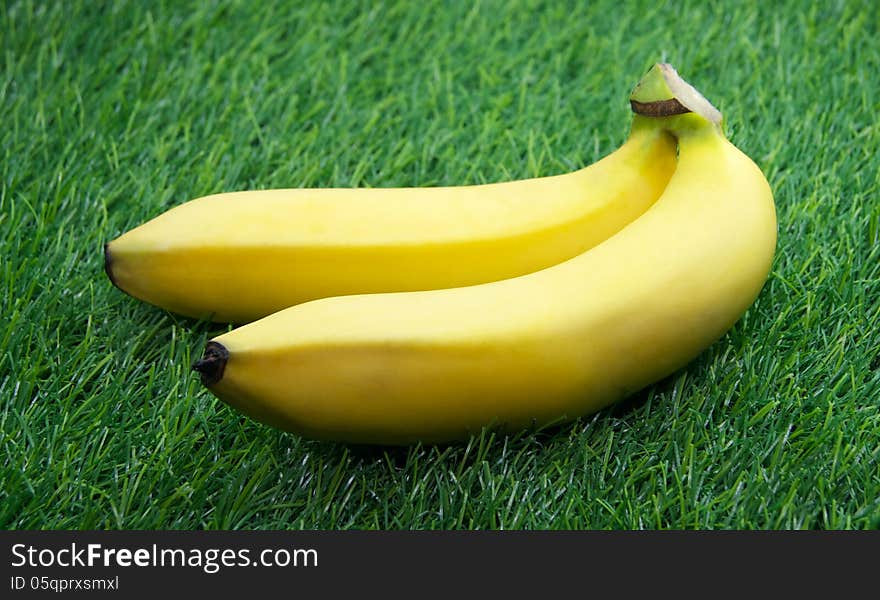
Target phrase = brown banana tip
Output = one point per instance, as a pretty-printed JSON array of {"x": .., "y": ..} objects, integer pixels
[
  {"x": 108, "y": 264},
  {"x": 212, "y": 363}
]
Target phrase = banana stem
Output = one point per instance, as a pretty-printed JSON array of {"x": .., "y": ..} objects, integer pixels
[{"x": 663, "y": 93}]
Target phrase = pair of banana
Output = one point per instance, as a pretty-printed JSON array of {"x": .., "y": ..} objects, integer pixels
[{"x": 425, "y": 314}]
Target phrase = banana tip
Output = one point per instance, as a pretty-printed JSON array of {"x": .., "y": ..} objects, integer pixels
[
  {"x": 108, "y": 264},
  {"x": 212, "y": 363}
]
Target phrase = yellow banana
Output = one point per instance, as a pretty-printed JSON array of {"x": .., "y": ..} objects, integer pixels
[
  {"x": 556, "y": 344},
  {"x": 240, "y": 256}
]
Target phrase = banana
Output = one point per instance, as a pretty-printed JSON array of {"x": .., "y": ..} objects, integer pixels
[
  {"x": 435, "y": 366},
  {"x": 243, "y": 255}
]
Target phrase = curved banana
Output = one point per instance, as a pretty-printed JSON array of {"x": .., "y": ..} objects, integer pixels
[
  {"x": 556, "y": 344},
  {"x": 240, "y": 256}
]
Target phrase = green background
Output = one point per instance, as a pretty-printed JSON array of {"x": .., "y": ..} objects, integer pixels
[{"x": 113, "y": 112}]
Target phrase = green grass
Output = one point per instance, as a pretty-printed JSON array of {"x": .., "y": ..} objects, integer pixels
[{"x": 114, "y": 113}]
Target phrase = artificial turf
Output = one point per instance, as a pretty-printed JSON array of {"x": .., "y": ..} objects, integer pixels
[{"x": 114, "y": 112}]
